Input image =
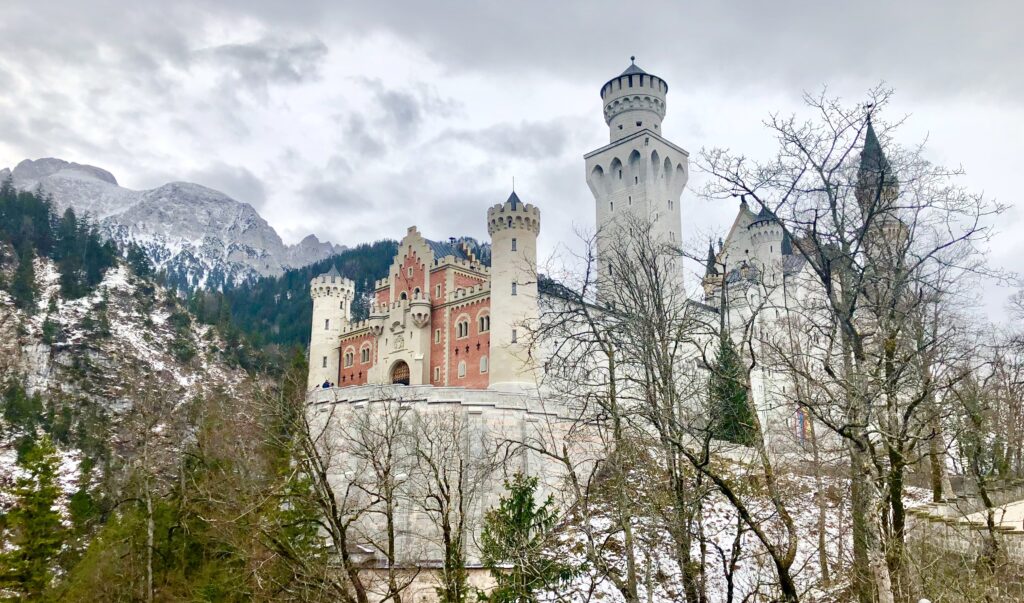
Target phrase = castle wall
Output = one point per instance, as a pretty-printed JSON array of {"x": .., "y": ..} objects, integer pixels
[
  {"x": 359, "y": 371},
  {"x": 470, "y": 349}
]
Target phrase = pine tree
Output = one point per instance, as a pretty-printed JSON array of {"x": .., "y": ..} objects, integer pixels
[
  {"x": 514, "y": 539},
  {"x": 35, "y": 534},
  {"x": 731, "y": 416},
  {"x": 23, "y": 285}
]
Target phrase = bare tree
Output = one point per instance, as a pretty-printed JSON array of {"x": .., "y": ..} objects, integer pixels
[{"x": 879, "y": 236}]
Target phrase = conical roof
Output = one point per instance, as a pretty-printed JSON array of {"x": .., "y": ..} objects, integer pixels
[
  {"x": 710, "y": 268},
  {"x": 513, "y": 199},
  {"x": 332, "y": 272},
  {"x": 872, "y": 157}
]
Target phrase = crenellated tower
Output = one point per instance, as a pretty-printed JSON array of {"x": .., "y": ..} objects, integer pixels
[
  {"x": 639, "y": 176},
  {"x": 513, "y": 227},
  {"x": 332, "y": 306}
]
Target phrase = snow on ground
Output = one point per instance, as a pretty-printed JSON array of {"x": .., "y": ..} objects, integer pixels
[{"x": 659, "y": 573}]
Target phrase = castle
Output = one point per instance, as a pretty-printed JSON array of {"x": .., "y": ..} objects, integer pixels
[
  {"x": 443, "y": 317},
  {"x": 447, "y": 342}
]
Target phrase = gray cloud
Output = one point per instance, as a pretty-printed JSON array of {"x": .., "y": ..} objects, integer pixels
[
  {"x": 257, "y": 65},
  {"x": 234, "y": 180},
  {"x": 525, "y": 140}
]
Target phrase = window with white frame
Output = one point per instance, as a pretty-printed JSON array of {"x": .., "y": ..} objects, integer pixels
[
  {"x": 483, "y": 364},
  {"x": 462, "y": 369}
]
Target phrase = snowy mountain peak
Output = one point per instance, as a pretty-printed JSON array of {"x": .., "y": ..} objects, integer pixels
[
  {"x": 199, "y": 236},
  {"x": 29, "y": 171}
]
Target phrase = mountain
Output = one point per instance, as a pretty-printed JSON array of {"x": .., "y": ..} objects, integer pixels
[{"x": 201, "y": 238}]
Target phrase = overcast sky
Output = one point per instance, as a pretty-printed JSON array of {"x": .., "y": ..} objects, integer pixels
[{"x": 354, "y": 120}]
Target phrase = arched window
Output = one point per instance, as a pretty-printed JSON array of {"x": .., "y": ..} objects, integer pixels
[
  {"x": 510, "y": 222},
  {"x": 462, "y": 328},
  {"x": 416, "y": 293},
  {"x": 403, "y": 295},
  {"x": 462, "y": 369},
  {"x": 483, "y": 364},
  {"x": 364, "y": 355},
  {"x": 484, "y": 323},
  {"x": 349, "y": 358}
]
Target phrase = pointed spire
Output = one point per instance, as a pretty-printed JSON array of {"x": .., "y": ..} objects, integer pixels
[
  {"x": 711, "y": 267},
  {"x": 514, "y": 200},
  {"x": 872, "y": 157}
]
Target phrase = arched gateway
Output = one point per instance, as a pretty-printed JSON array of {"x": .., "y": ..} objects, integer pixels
[{"x": 400, "y": 373}]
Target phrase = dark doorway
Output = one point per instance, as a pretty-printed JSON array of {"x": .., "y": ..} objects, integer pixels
[{"x": 400, "y": 373}]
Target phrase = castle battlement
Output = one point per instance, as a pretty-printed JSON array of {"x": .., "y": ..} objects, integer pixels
[
  {"x": 467, "y": 292},
  {"x": 513, "y": 214}
]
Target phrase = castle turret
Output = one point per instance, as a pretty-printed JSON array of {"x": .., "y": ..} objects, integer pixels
[
  {"x": 513, "y": 227},
  {"x": 766, "y": 237},
  {"x": 638, "y": 178},
  {"x": 634, "y": 100},
  {"x": 332, "y": 306}
]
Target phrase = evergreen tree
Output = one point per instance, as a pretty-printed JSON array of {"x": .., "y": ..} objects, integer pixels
[
  {"x": 514, "y": 539},
  {"x": 23, "y": 286},
  {"x": 35, "y": 534},
  {"x": 138, "y": 262},
  {"x": 731, "y": 416}
]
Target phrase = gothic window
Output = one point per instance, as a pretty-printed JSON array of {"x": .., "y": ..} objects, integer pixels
[
  {"x": 349, "y": 358},
  {"x": 462, "y": 328},
  {"x": 514, "y": 286},
  {"x": 513, "y": 244},
  {"x": 485, "y": 323},
  {"x": 364, "y": 355},
  {"x": 462, "y": 369},
  {"x": 483, "y": 364}
]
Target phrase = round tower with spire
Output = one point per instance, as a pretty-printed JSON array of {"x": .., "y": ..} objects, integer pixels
[
  {"x": 332, "y": 306},
  {"x": 638, "y": 178},
  {"x": 513, "y": 227},
  {"x": 633, "y": 100}
]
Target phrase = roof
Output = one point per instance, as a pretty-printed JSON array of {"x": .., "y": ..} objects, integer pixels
[
  {"x": 633, "y": 69},
  {"x": 441, "y": 250},
  {"x": 514, "y": 200},
  {"x": 872, "y": 157},
  {"x": 765, "y": 215},
  {"x": 332, "y": 272},
  {"x": 466, "y": 248}
]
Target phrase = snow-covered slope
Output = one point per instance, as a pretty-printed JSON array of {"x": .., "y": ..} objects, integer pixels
[{"x": 199, "y": 236}]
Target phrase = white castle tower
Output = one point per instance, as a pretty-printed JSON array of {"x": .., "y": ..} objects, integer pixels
[
  {"x": 639, "y": 173},
  {"x": 332, "y": 305},
  {"x": 513, "y": 227}
]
